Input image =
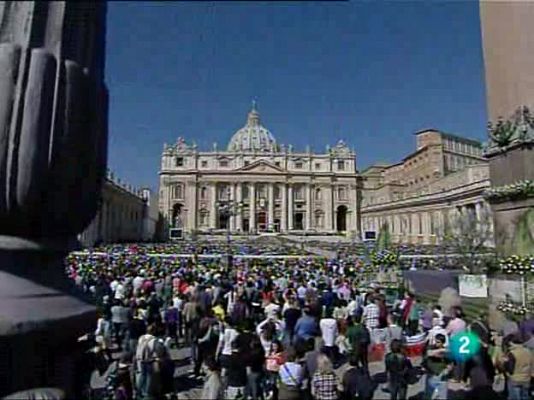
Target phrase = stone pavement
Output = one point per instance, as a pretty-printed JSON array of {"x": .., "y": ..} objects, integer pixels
[{"x": 189, "y": 388}]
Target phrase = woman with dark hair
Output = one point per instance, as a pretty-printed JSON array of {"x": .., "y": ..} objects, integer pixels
[
  {"x": 237, "y": 372},
  {"x": 397, "y": 367},
  {"x": 273, "y": 360},
  {"x": 255, "y": 361}
]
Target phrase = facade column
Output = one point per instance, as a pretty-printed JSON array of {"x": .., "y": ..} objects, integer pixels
[
  {"x": 426, "y": 227},
  {"x": 308, "y": 207},
  {"x": 283, "y": 219},
  {"x": 213, "y": 210},
  {"x": 453, "y": 216},
  {"x": 252, "y": 207},
  {"x": 239, "y": 210},
  {"x": 234, "y": 207},
  {"x": 440, "y": 228},
  {"x": 270, "y": 210},
  {"x": 329, "y": 212},
  {"x": 290, "y": 208},
  {"x": 352, "y": 220},
  {"x": 191, "y": 202},
  {"x": 478, "y": 211}
]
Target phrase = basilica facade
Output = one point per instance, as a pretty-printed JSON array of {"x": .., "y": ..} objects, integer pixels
[{"x": 256, "y": 185}]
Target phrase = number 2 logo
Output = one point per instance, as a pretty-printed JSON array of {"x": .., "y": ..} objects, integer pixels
[{"x": 465, "y": 344}]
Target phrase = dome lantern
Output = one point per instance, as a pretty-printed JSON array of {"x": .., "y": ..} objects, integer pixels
[{"x": 253, "y": 136}]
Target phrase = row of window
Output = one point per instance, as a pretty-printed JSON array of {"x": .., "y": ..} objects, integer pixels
[
  {"x": 461, "y": 147},
  {"x": 223, "y": 192},
  {"x": 404, "y": 225},
  {"x": 455, "y": 163},
  {"x": 419, "y": 180},
  {"x": 414, "y": 224},
  {"x": 179, "y": 162},
  {"x": 421, "y": 158},
  {"x": 318, "y": 219}
]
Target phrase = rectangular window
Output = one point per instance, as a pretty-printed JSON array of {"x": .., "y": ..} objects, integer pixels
[
  {"x": 223, "y": 163},
  {"x": 178, "y": 191},
  {"x": 204, "y": 163},
  {"x": 298, "y": 165},
  {"x": 342, "y": 193},
  {"x": 299, "y": 193},
  {"x": 317, "y": 166},
  {"x": 277, "y": 163},
  {"x": 179, "y": 162},
  {"x": 319, "y": 220},
  {"x": 224, "y": 192},
  {"x": 203, "y": 218},
  {"x": 247, "y": 162},
  {"x": 341, "y": 165}
]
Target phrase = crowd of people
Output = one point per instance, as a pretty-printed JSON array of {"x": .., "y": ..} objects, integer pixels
[
  {"x": 258, "y": 246},
  {"x": 284, "y": 329}
]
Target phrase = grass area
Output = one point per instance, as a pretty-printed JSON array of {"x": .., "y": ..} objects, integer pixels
[{"x": 472, "y": 307}]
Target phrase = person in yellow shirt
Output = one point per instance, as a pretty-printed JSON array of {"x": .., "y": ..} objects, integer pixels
[{"x": 218, "y": 311}]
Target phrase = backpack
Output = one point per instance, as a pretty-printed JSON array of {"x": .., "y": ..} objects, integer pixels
[
  {"x": 367, "y": 386},
  {"x": 411, "y": 375},
  {"x": 403, "y": 367}
]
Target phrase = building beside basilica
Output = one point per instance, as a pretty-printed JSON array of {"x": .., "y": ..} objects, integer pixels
[
  {"x": 429, "y": 191},
  {"x": 258, "y": 185}
]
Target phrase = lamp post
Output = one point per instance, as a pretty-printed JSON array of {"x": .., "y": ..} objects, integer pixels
[{"x": 229, "y": 208}]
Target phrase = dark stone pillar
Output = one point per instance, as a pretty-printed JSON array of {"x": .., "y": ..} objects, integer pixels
[{"x": 53, "y": 143}]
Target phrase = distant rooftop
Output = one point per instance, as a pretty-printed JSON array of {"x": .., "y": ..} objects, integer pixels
[{"x": 450, "y": 136}]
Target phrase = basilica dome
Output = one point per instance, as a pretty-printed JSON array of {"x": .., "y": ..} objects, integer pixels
[{"x": 253, "y": 136}]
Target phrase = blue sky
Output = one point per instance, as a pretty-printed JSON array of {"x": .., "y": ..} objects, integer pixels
[{"x": 371, "y": 73}]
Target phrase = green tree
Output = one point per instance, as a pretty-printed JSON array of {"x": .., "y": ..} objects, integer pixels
[
  {"x": 468, "y": 237},
  {"x": 383, "y": 242}
]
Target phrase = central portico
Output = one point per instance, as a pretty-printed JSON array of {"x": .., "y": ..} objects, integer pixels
[{"x": 257, "y": 185}]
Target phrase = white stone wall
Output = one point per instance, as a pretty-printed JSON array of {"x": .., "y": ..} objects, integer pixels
[{"x": 121, "y": 216}]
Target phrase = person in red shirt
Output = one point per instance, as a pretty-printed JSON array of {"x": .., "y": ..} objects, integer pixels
[
  {"x": 147, "y": 286},
  {"x": 406, "y": 307},
  {"x": 273, "y": 360}
]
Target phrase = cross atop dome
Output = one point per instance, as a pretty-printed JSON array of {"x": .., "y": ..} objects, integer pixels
[{"x": 253, "y": 118}]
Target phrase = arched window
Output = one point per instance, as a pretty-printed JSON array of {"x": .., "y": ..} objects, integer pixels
[
  {"x": 203, "y": 193},
  {"x": 318, "y": 194}
]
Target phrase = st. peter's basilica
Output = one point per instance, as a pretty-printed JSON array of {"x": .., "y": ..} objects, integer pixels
[{"x": 258, "y": 185}]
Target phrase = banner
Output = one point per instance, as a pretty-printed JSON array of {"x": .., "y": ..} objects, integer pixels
[{"x": 473, "y": 285}]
